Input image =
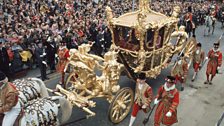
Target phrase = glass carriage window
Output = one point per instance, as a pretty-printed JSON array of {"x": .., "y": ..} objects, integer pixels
[
  {"x": 158, "y": 45},
  {"x": 149, "y": 40},
  {"x": 125, "y": 38},
  {"x": 159, "y": 42}
]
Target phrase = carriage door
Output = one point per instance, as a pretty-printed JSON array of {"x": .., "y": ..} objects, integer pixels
[{"x": 158, "y": 53}]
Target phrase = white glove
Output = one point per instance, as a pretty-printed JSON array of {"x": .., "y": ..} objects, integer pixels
[
  {"x": 10, "y": 64},
  {"x": 206, "y": 58},
  {"x": 44, "y": 62},
  {"x": 156, "y": 101},
  {"x": 44, "y": 54},
  {"x": 188, "y": 65},
  {"x": 56, "y": 55},
  {"x": 218, "y": 68},
  {"x": 144, "y": 107},
  {"x": 169, "y": 114},
  {"x": 65, "y": 69}
]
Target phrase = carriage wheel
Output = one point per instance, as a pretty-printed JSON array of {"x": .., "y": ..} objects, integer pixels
[{"x": 121, "y": 105}]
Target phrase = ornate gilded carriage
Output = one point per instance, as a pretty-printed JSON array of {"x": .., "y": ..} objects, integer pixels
[
  {"x": 141, "y": 43},
  {"x": 143, "y": 38}
]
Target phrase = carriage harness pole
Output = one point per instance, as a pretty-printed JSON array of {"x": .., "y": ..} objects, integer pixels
[{"x": 77, "y": 120}]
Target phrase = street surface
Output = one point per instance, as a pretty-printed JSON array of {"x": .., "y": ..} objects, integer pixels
[{"x": 200, "y": 105}]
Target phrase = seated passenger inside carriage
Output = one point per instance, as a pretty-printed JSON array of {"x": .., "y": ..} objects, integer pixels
[
  {"x": 127, "y": 39},
  {"x": 149, "y": 43}
]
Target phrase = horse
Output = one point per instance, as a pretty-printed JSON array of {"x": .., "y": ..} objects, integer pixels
[
  {"x": 37, "y": 105},
  {"x": 188, "y": 27},
  {"x": 55, "y": 110},
  {"x": 29, "y": 89},
  {"x": 208, "y": 25}
]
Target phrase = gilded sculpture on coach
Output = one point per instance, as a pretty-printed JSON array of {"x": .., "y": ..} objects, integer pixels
[{"x": 83, "y": 83}]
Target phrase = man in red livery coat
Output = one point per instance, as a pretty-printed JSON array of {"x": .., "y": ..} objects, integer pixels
[
  {"x": 180, "y": 70},
  {"x": 63, "y": 54},
  {"x": 198, "y": 59},
  {"x": 143, "y": 97},
  {"x": 167, "y": 100},
  {"x": 9, "y": 105},
  {"x": 214, "y": 63}
]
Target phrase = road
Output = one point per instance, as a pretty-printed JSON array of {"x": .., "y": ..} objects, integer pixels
[{"x": 200, "y": 105}]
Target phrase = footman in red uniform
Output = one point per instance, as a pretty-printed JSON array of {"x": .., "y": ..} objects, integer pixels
[
  {"x": 143, "y": 97},
  {"x": 180, "y": 71},
  {"x": 214, "y": 63},
  {"x": 167, "y": 100},
  {"x": 198, "y": 59},
  {"x": 63, "y": 54}
]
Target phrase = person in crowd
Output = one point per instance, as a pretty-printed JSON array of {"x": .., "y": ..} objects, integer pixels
[
  {"x": 4, "y": 60},
  {"x": 41, "y": 59},
  {"x": 51, "y": 50}
]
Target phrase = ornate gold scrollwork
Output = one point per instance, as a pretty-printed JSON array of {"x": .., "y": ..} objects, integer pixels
[{"x": 176, "y": 11}]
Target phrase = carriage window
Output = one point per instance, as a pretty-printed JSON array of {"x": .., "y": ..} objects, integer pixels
[
  {"x": 149, "y": 40},
  {"x": 159, "y": 42},
  {"x": 125, "y": 38}
]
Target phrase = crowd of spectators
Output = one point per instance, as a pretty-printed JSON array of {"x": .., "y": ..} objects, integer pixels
[{"x": 25, "y": 23}]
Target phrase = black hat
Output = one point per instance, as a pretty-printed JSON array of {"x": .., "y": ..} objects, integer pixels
[
  {"x": 142, "y": 76},
  {"x": 199, "y": 44},
  {"x": 216, "y": 44},
  {"x": 2, "y": 76},
  {"x": 170, "y": 79},
  {"x": 189, "y": 9}
]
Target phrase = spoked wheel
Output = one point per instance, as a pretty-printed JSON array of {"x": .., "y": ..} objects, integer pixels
[{"x": 121, "y": 105}]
